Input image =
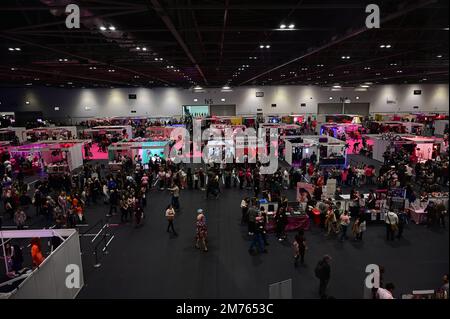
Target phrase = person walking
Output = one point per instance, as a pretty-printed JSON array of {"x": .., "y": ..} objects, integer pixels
[
  {"x": 20, "y": 218},
  {"x": 113, "y": 202},
  {"x": 402, "y": 221},
  {"x": 175, "y": 190},
  {"x": 170, "y": 215},
  {"x": 391, "y": 221},
  {"x": 252, "y": 214},
  {"x": 201, "y": 231},
  {"x": 362, "y": 228},
  {"x": 344, "y": 222},
  {"x": 323, "y": 273},
  {"x": 244, "y": 209},
  {"x": 281, "y": 222},
  {"x": 299, "y": 245},
  {"x": 258, "y": 240}
]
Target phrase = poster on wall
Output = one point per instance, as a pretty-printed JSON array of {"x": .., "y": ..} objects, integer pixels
[{"x": 303, "y": 190}]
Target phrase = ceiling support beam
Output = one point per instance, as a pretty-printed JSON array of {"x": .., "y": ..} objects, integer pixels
[
  {"x": 69, "y": 54},
  {"x": 166, "y": 19},
  {"x": 63, "y": 21},
  {"x": 222, "y": 40},
  {"x": 351, "y": 35}
]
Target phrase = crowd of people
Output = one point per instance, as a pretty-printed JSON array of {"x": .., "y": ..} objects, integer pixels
[{"x": 62, "y": 200}]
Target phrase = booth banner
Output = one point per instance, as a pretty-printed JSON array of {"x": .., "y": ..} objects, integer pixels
[{"x": 302, "y": 189}]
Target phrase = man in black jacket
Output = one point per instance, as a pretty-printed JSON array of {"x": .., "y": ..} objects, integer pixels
[{"x": 323, "y": 272}]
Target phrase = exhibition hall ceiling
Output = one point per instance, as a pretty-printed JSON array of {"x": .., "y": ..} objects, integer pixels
[{"x": 188, "y": 43}]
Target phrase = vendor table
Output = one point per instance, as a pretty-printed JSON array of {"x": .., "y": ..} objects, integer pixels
[
  {"x": 419, "y": 216},
  {"x": 295, "y": 222}
]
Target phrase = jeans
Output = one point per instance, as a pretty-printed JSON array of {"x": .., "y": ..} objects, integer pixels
[
  {"x": 344, "y": 232},
  {"x": 257, "y": 242},
  {"x": 175, "y": 202}
]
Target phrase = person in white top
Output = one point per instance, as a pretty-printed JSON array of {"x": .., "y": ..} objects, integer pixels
[{"x": 391, "y": 221}]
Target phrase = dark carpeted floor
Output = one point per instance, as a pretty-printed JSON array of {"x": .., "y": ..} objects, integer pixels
[{"x": 150, "y": 263}]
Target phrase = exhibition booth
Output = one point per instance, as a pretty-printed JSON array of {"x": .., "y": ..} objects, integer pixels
[
  {"x": 147, "y": 151},
  {"x": 53, "y": 157},
  {"x": 342, "y": 130},
  {"x": 118, "y": 132},
  {"x": 12, "y": 133},
  {"x": 340, "y": 118},
  {"x": 424, "y": 148},
  {"x": 329, "y": 151},
  {"x": 160, "y": 133},
  {"x": 50, "y": 133},
  {"x": 441, "y": 127}
]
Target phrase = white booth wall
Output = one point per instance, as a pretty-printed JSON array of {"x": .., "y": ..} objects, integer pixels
[
  {"x": 49, "y": 280},
  {"x": 440, "y": 126}
]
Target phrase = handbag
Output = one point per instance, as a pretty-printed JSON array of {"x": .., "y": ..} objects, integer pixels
[{"x": 394, "y": 227}]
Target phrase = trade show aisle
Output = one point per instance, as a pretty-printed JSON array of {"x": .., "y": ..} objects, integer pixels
[{"x": 150, "y": 263}]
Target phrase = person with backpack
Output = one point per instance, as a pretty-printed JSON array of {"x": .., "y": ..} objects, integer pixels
[{"x": 323, "y": 273}]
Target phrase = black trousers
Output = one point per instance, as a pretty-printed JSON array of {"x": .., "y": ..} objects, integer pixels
[
  {"x": 124, "y": 216},
  {"x": 244, "y": 215},
  {"x": 170, "y": 227},
  {"x": 323, "y": 287},
  {"x": 280, "y": 230},
  {"x": 400, "y": 231},
  {"x": 112, "y": 208},
  {"x": 390, "y": 234},
  {"x": 251, "y": 227}
]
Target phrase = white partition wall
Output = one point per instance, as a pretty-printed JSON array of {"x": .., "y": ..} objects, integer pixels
[
  {"x": 49, "y": 280},
  {"x": 288, "y": 152},
  {"x": 379, "y": 147},
  {"x": 440, "y": 126},
  {"x": 75, "y": 156}
]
